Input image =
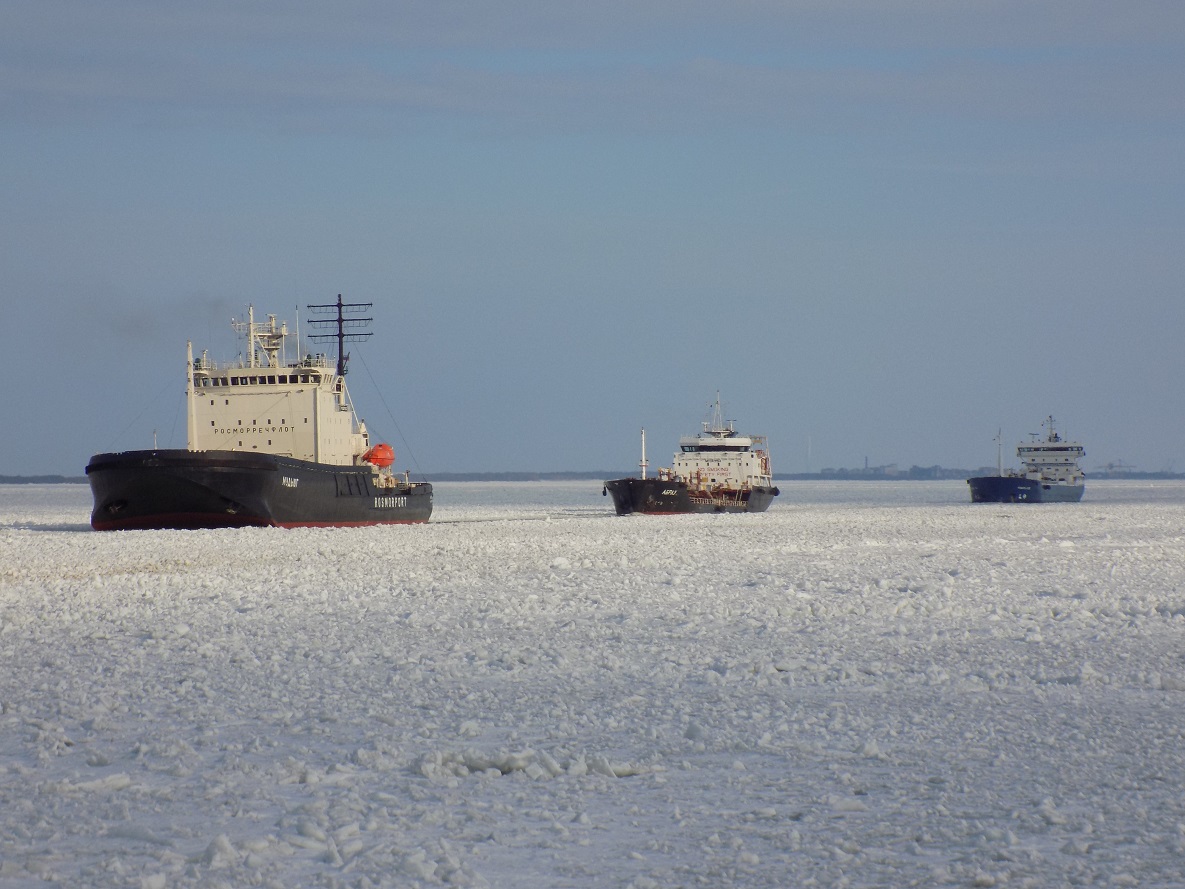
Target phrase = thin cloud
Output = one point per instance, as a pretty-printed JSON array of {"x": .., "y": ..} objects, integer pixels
[{"x": 631, "y": 94}]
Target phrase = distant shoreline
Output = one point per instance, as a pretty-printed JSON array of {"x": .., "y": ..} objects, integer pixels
[{"x": 928, "y": 473}]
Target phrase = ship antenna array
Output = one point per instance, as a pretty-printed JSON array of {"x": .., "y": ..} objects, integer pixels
[{"x": 346, "y": 323}]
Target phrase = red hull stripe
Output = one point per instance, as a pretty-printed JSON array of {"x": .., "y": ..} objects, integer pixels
[
  {"x": 348, "y": 524},
  {"x": 185, "y": 521}
]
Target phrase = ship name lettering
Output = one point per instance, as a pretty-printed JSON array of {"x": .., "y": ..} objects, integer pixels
[
  {"x": 289, "y": 482},
  {"x": 669, "y": 492},
  {"x": 390, "y": 502},
  {"x": 241, "y": 430}
]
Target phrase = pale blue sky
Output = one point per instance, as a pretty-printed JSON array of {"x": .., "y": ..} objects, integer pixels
[{"x": 883, "y": 228}]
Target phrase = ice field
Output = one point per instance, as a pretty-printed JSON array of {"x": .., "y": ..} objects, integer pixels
[{"x": 871, "y": 685}]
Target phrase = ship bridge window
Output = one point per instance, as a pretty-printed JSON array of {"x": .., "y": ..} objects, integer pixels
[
  {"x": 304, "y": 378},
  {"x": 271, "y": 380}
]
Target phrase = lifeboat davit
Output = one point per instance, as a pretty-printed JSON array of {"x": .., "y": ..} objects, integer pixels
[{"x": 380, "y": 455}]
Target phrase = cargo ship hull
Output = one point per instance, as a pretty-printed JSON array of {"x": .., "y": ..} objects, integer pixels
[
  {"x": 232, "y": 489},
  {"x": 658, "y": 497},
  {"x": 1017, "y": 489}
]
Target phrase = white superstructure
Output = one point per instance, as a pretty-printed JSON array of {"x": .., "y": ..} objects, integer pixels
[
  {"x": 720, "y": 458},
  {"x": 1051, "y": 460},
  {"x": 264, "y": 403}
]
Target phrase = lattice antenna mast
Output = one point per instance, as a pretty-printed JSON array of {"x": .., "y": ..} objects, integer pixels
[{"x": 347, "y": 326}]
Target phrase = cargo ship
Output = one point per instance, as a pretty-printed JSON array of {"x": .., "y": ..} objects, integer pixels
[
  {"x": 717, "y": 470},
  {"x": 271, "y": 442},
  {"x": 1050, "y": 475}
]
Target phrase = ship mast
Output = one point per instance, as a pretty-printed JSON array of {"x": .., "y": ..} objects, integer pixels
[
  {"x": 343, "y": 322},
  {"x": 715, "y": 424},
  {"x": 267, "y": 338},
  {"x": 190, "y": 399},
  {"x": 643, "y": 463}
]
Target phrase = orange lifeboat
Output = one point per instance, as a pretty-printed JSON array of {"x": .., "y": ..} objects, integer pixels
[{"x": 380, "y": 455}]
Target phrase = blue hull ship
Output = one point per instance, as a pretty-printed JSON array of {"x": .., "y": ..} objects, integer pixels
[
  {"x": 1051, "y": 474},
  {"x": 1011, "y": 489}
]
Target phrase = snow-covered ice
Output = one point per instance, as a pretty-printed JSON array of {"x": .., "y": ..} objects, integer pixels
[{"x": 869, "y": 685}]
